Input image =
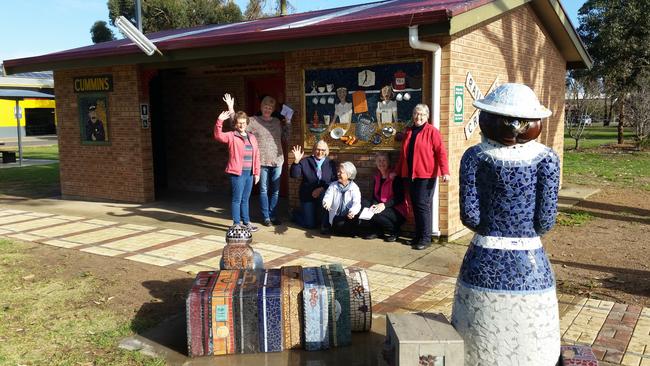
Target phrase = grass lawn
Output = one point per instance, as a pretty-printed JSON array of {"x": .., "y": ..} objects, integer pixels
[
  {"x": 596, "y": 165},
  {"x": 30, "y": 181},
  {"x": 41, "y": 152},
  {"x": 54, "y": 318},
  {"x": 33, "y": 181}
]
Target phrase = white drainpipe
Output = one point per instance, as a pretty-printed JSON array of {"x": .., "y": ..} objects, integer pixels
[{"x": 415, "y": 42}]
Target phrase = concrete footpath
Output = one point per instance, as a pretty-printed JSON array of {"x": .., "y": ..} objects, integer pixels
[{"x": 187, "y": 233}]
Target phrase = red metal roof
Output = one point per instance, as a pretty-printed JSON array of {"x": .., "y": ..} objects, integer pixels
[{"x": 387, "y": 14}]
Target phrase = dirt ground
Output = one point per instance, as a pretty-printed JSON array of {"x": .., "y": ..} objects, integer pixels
[{"x": 608, "y": 257}]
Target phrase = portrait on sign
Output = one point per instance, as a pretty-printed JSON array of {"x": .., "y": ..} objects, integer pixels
[{"x": 93, "y": 118}]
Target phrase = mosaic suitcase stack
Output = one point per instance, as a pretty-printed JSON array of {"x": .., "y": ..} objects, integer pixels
[{"x": 250, "y": 311}]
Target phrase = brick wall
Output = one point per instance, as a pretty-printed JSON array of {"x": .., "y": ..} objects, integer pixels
[
  {"x": 121, "y": 170},
  {"x": 514, "y": 48}
]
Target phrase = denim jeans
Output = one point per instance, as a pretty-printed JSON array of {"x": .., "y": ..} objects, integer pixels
[
  {"x": 241, "y": 192},
  {"x": 308, "y": 214},
  {"x": 269, "y": 185}
]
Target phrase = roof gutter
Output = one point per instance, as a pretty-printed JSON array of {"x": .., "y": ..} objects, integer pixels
[{"x": 416, "y": 43}]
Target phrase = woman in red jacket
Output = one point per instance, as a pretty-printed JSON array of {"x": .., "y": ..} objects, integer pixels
[
  {"x": 243, "y": 164},
  {"x": 423, "y": 158}
]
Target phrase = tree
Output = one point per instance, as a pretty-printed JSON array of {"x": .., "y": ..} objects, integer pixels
[
  {"x": 583, "y": 90},
  {"x": 159, "y": 15},
  {"x": 101, "y": 33},
  {"x": 639, "y": 110},
  {"x": 617, "y": 35},
  {"x": 255, "y": 9}
]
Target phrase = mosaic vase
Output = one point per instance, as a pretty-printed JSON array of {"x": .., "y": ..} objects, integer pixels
[{"x": 505, "y": 306}]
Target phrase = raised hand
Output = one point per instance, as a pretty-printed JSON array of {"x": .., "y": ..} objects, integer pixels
[
  {"x": 230, "y": 101},
  {"x": 224, "y": 115},
  {"x": 297, "y": 153}
]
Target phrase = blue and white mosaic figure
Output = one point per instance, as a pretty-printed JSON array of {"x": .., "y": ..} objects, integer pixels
[{"x": 505, "y": 305}]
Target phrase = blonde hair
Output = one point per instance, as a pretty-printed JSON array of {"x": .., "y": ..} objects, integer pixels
[
  {"x": 268, "y": 100},
  {"x": 241, "y": 114},
  {"x": 327, "y": 148}
]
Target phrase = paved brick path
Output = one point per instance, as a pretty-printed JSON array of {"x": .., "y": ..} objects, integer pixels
[{"x": 619, "y": 334}]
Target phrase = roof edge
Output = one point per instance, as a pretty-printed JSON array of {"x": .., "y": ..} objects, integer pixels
[{"x": 482, "y": 13}]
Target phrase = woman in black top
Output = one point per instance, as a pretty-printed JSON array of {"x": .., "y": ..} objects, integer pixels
[{"x": 317, "y": 172}]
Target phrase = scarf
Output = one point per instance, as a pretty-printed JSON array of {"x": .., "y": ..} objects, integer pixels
[
  {"x": 319, "y": 164},
  {"x": 342, "y": 210}
]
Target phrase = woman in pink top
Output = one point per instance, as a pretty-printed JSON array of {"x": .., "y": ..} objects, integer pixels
[{"x": 243, "y": 164}]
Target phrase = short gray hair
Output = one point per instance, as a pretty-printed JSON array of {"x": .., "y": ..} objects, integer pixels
[
  {"x": 422, "y": 108},
  {"x": 349, "y": 168}
]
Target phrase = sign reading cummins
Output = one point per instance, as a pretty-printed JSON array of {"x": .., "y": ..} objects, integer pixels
[{"x": 98, "y": 83}]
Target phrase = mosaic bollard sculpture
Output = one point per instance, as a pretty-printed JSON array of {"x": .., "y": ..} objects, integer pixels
[
  {"x": 505, "y": 306},
  {"x": 238, "y": 253}
]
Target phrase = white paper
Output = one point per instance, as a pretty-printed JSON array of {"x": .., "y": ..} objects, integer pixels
[
  {"x": 366, "y": 214},
  {"x": 287, "y": 112}
]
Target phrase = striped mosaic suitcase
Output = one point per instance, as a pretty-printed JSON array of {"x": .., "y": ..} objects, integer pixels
[
  {"x": 245, "y": 314},
  {"x": 360, "y": 301},
  {"x": 197, "y": 309},
  {"x": 269, "y": 306},
  {"x": 223, "y": 331},
  {"x": 292, "y": 306},
  {"x": 338, "y": 293},
  {"x": 314, "y": 297}
]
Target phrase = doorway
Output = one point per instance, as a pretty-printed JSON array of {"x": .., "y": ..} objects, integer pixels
[{"x": 257, "y": 87}]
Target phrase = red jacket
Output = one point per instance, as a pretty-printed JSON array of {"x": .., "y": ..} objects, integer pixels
[
  {"x": 236, "y": 149},
  {"x": 429, "y": 155}
]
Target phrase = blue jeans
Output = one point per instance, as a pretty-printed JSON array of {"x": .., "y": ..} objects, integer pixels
[
  {"x": 241, "y": 192},
  {"x": 269, "y": 183},
  {"x": 307, "y": 215}
]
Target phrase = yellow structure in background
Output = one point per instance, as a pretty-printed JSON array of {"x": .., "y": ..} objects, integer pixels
[{"x": 7, "y": 118}]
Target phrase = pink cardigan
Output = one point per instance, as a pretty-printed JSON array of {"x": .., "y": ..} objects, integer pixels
[{"x": 236, "y": 149}]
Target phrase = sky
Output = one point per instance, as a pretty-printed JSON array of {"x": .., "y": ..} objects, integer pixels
[{"x": 36, "y": 27}]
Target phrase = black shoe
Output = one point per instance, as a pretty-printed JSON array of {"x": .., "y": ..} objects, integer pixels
[
  {"x": 414, "y": 241},
  {"x": 390, "y": 238},
  {"x": 326, "y": 231},
  {"x": 370, "y": 236},
  {"x": 267, "y": 222},
  {"x": 276, "y": 222},
  {"x": 422, "y": 245}
]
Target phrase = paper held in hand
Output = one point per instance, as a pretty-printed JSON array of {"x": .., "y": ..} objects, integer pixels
[
  {"x": 287, "y": 112},
  {"x": 366, "y": 214}
]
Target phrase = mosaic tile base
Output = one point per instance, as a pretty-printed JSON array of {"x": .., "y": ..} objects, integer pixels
[{"x": 507, "y": 329}]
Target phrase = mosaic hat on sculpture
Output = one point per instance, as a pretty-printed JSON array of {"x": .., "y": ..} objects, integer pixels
[
  {"x": 511, "y": 114},
  {"x": 513, "y": 100}
]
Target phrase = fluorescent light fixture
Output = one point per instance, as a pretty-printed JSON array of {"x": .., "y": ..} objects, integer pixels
[{"x": 136, "y": 36}]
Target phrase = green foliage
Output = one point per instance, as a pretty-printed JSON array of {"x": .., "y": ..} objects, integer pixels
[
  {"x": 101, "y": 33},
  {"x": 617, "y": 36},
  {"x": 159, "y": 15},
  {"x": 572, "y": 218}
]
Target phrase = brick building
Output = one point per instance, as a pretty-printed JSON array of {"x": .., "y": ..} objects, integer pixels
[{"x": 302, "y": 59}]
